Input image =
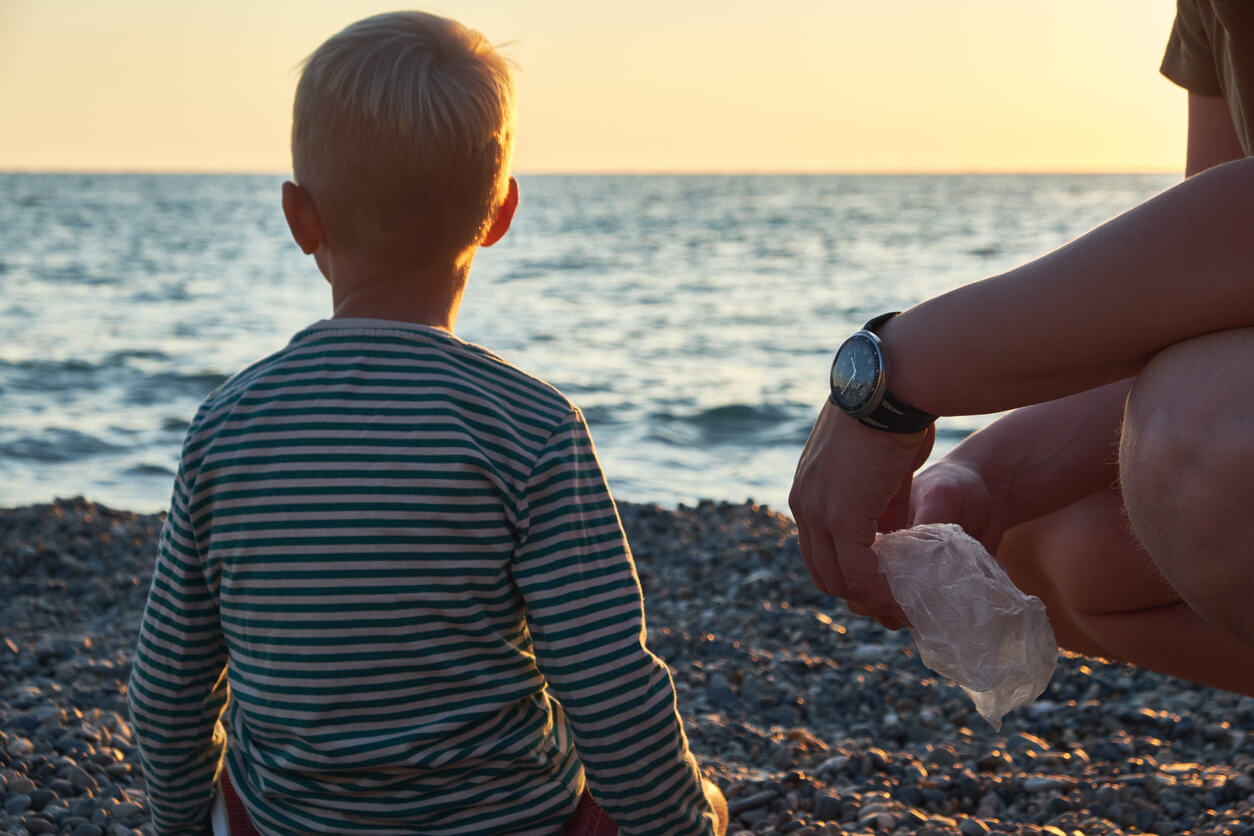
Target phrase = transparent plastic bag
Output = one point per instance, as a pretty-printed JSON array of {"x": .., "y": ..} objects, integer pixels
[{"x": 969, "y": 621}]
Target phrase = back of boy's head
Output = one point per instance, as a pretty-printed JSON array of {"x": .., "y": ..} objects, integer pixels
[{"x": 402, "y": 134}]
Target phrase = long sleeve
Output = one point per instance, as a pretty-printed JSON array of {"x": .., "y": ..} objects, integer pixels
[
  {"x": 178, "y": 687},
  {"x": 586, "y": 618}
]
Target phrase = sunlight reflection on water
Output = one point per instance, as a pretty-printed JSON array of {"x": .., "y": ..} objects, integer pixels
[{"x": 692, "y": 317}]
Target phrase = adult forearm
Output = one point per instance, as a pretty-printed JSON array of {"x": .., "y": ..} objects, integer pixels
[{"x": 1089, "y": 313}]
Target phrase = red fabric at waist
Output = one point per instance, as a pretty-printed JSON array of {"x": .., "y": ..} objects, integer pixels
[{"x": 236, "y": 818}]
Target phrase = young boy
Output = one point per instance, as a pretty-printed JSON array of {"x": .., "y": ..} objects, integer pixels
[{"x": 391, "y": 558}]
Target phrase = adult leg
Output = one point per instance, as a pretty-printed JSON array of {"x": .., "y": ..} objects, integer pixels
[
  {"x": 1187, "y": 469},
  {"x": 1105, "y": 596},
  {"x": 1186, "y": 455}
]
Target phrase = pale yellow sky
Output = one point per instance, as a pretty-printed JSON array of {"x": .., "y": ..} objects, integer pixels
[{"x": 682, "y": 85}]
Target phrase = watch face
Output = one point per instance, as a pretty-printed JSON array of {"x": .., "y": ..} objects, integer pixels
[{"x": 856, "y": 373}]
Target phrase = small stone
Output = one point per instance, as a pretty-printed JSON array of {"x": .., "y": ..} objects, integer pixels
[
  {"x": 973, "y": 827},
  {"x": 912, "y": 818},
  {"x": 1043, "y": 784},
  {"x": 1057, "y": 806},
  {"x": 83, "y": 807},
  {"x": 38, "y": 824},
  {"x": 17, "y": 804},
  {"x": 124, "y": 809},
  {"x": 40, "y": 799},
  {"x": 719, "y": 693},
  {"x": 834, "y": 764},
  {"x": 992, "y": 761},
  {"x": 77, "y": 776},
  {"x": 752, "y": 802},
  {"x": 753, "y": 816},
  {"x": 989, "y": 804},
  {"x": 119, "y": 770},
  {"x": 20, "y": 747},
  {"x": 57, "y": 812},
  {"x": 87, "y": 829},
  {"x": 911, "y": 795},
  {"x": 61, "y": 787},
  {"x": 827, "y": 808},
  {"x": 20, "y": 783}
]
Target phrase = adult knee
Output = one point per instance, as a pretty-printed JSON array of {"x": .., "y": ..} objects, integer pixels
[{"x": 1186, "y": 455}]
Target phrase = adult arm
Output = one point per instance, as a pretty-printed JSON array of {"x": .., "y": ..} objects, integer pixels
[
  {"x": 1212, "y": 136},
  {"x": 1088, "y": 314},
  {"x": 586, "y": 618},
  {"x": 1092, "y": 312},
  {"x": 1043, "y": 457}
]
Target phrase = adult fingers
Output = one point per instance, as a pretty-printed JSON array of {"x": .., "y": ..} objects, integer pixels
[
  {"x": 823, "y": 565},
  {"x": 897, "y": 514},
  {"x": 868, "y": 588},
  {"x": 935, "y": 506},
  {"x": 889, "y": 622}
]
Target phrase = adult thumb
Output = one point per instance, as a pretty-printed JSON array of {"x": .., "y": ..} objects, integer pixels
[{"x": 934, "y": 501}]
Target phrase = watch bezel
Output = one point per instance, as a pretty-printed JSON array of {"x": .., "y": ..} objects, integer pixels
[{"x": 878, "y": 386}]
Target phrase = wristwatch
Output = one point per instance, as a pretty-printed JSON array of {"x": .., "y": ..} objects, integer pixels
[{"x": 860, "y": 388}]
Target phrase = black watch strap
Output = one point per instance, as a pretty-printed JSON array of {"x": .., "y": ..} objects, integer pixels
[{"x": 893, "y": 414}]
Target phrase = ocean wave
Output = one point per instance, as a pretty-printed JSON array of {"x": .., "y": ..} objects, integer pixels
[
  {"x": 50, "y": 377},
  {"x": 149, "y": 470},
  {"x": 121, "y": 358},
  {"x": 760, "y": 424},
  {"x": 157, "y": 388},
  {"x": 56, "y": 444}
]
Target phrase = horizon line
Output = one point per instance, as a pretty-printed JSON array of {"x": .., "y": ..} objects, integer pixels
[{"x": 612, "y": 172}]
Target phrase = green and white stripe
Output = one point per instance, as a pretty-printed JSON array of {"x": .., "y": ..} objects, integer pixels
[{"x": 406, "y": 550}]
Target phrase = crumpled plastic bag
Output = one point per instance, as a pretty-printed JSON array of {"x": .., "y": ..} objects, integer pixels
[{"x": 969, "y": 621}]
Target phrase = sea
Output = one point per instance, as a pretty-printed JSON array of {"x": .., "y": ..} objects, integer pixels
[{"x": 692, "y": 317}]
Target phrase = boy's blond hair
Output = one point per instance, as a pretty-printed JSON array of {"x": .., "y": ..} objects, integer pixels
[{"x": 402, "y": 134}]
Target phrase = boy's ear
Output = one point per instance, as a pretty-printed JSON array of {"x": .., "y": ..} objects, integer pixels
[
  {"x": 504, "y": 216},
  {"x": 302, "y": 218}
]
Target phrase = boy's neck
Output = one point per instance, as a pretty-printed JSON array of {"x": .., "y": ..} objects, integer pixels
[{"x": 423, "y": 297}]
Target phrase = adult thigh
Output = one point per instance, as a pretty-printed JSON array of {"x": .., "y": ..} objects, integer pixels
[{"x": 1186, "y": 459}]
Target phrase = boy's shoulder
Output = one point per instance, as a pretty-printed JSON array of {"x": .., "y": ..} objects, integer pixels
[{"x": 395, "y": 354}]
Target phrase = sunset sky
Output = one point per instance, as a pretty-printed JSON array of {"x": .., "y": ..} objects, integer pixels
[{"x": 682, "y": 85}]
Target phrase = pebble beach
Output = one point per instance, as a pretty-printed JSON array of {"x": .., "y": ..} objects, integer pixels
[{"x": 811, "y": 719}]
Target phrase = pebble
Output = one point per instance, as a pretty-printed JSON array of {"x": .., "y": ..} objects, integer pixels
[
  {"x": 812, "y": 720},
  {"x": 1043, "y": 784},
  {"x": 973, "y": 827}
]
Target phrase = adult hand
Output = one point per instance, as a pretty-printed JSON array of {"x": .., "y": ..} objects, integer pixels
[
  {"x": 849, "y": 479},
  {"x": 952, "y": 491},
  {"x": 1026, "y": 464}
]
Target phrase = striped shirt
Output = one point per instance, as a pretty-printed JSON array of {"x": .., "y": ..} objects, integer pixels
[{"x": 394, "y": 588}]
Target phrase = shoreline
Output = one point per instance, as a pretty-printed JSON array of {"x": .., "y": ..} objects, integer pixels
[{"x": 811, "y": 719}]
